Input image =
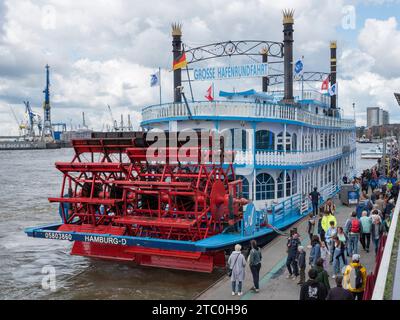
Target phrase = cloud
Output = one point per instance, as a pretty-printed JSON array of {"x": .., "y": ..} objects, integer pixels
[
  {"x": 103, "y": 52},
  {"x": 381, "y": 40},
  {"x": 369, "y": 73},
  {"x": 355, "y": 61},
  {"x": 369, "y": 89}
]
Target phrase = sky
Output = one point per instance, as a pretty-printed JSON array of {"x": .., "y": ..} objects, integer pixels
[{"x": 103, "y": 52}]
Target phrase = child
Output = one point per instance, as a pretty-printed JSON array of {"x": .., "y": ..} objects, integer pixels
[
  {"x": 301, "y": 260},
  {"x": 325, "y": 254},
  {"x": 330, "y": 233}
]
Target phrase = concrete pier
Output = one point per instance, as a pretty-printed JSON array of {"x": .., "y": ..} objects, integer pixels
[{"x": 273, "y": 282}]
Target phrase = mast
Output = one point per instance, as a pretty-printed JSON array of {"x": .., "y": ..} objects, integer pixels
[
  {"x": 333, "y": 75},
  {"x": 265, "y": 80},
  {"x": 288, "y": 22},
  {"x": 177, "y": 52}
]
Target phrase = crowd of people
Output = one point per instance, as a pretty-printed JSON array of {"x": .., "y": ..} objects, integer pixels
[{"x": 335, "y": 250}]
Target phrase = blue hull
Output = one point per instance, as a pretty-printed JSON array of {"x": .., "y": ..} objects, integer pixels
[{"x": 214, "y": 243}]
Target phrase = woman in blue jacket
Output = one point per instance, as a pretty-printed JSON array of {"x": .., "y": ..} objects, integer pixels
[{"x": 315, "y": 253}]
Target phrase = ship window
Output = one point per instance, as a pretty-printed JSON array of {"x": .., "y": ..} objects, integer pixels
[
  {"x": 265, "y": 188},
  {"x": 281, "y": 183},
  {"x": 294, "y": 142},
  {"x": 245, "y": 185},
  {"x": 326, "y": 174},
  {"x": 265, "y": 140},
  {"x": 322, "y": 141},
  {"x": 312, "y": 142},
  {"x": 280, "y": 142},
  {"x": 294, "y": 182},
  {"x": 321, "y": 175},
  {"x": 239, "y": 139}
]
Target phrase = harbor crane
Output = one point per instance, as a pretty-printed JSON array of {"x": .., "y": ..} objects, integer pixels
[{"x": 114, "y": 122}]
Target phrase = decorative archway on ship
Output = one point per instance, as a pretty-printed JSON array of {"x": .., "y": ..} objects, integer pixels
[{"x": 250, "y": 48}]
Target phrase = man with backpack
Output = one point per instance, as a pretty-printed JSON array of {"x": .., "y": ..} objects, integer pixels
[
  {"x": 355, "y": 278},
  {"x": 353, "y": 229}
]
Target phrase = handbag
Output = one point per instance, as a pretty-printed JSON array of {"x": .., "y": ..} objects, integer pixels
[{"x": 231, "y": 269}]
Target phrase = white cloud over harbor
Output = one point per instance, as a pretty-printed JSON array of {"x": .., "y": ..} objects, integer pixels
[{"x": 103, "y": 52}]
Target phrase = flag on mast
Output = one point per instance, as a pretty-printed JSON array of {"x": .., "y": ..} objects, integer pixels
[
  {"x": 299, "y": 68},
  {"x": 155, "y": 79},
  {"x": 209, "y": 95},
  {"x": 325, "y": 84},
  {"x": 333, "y": 90},
  {"x": 180, "y": 62}
]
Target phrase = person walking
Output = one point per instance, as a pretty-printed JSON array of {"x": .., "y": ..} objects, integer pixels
[
  {"x": 365, "y": 185},
  {"x": 339, "y": 259},
  {"x": 342, "y": 236},
  {"x": 255, "y": 264},
  {"x": 322, "y": 276},
  {"x": 332, "y": 231},
  {"x": 389, "y": 185},
  {"x": 330, "y": 207},
  {"x": 326, "y": 221},
  {"x": 325, "y": 254},
  {"x": 320, "y": 230},
  {"x": 301, "y": 260},
  {"x": 366, "y": 224},
  {"x": 388, "y": 209},
  {"x": 291, "y": 263},
  {"x": 377, "y": 230},
  {"x": 312, "y": 289},
  {"x": 237, "y": 265},
  {"x": 339, "y": 293},
  {"x": 355, "y": 277},
  {"x": 353, "y": 229},
  {"x": 311, "y": 227},
  {"x": 315, "y": 253},
  {"x": 315, "y": 196},
  {"x": 373, "y": 184}
]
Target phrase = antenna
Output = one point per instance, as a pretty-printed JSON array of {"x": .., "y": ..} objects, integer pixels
[{"x": 83, "y": 120}]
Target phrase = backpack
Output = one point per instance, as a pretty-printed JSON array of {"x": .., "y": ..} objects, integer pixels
[
  {"x": 356, "y": 280},
  {"x": 355, "y": 226}
]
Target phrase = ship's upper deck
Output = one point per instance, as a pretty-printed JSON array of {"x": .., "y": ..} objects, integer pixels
[{"x": 303, "y": 114}]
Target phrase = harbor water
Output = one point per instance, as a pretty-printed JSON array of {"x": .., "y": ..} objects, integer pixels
[{"x": 28, "y": 178}]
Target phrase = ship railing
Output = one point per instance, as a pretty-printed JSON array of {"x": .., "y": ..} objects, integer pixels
[
  {"x": 242, "y": 109},
  {"x": 294, "y": 157},
  {"x": 298, "y": 204},
  {"x": 244, "y": 157}
]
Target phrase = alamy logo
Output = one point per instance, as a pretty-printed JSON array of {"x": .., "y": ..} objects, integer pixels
[
  {"x": 49, "y": 17},
  {"x": 49, "y": 279},
  {"x": 349, "y": 17}
]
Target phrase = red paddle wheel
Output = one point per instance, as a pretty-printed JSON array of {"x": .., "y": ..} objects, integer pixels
[{"x": 126, "y": 187}]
